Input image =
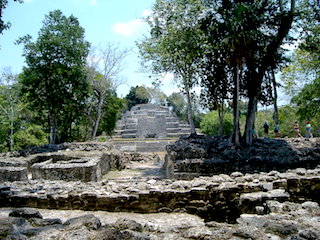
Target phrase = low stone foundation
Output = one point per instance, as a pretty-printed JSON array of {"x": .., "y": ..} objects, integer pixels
[
  {"x": 13, "y": 174},
  {"x": 68, "y": 166},
  {"x": 85, "y": 170},
  {"x": 140, "y": 145},
  {"x": 196, "y": 156},
  {"x": 219, "y": 198}
]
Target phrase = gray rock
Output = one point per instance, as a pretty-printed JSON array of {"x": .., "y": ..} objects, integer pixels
[
  {"x": 236, "y": 174},
  {"x": 246, "y": 232},
  {"x": 6, "y": 227},
  {"x": 89, "y": 221},
  {"x": 260, "y": 210},
  {"x": 198, "y": 233},
  {"x": 309, "y": 234},
  {"x": 311, "y": 206},
  {"x": 284, "y": 229},
  {"x": 38, "y": 222},
  {"x": 108, "y": 233},
  {"x": 16, "y": 236},
  {"x": 132, "y": 235},
  {"x": 25, "y": 213},
  {"x": 123, "y": 223}
]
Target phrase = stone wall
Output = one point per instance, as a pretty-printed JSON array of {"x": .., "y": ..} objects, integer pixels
[
  {"x": 68, "y": 166},
  {"x": 219, "y": 198},
  {"x": 13, "y": 174},
  {"x": 13, "y": 169},
  {"x": 155, "y": 145},
  {"x": 196, "y": 156}
]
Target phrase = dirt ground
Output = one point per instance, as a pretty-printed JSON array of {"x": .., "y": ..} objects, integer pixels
[{"x": 139, "y": 170}]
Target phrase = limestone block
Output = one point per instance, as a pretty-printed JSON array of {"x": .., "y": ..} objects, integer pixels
[
  {"x": 73, "y": 170},
  {"x": 13, "y": 174}
]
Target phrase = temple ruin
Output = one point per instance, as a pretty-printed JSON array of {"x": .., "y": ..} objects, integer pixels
[
  {"x": 151, "y": 121},
  {"x": 202, "y": 178}
]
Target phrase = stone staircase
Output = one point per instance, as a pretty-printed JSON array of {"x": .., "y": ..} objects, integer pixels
[{"x": 151, "y": 121}]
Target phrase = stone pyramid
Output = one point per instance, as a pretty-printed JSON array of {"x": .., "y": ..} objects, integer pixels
[{"x": 151, "y": 121}]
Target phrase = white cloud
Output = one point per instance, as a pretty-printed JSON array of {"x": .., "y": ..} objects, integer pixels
[
  {"x": 128, "y": 29},
  {"x": 146, "y": 13}
]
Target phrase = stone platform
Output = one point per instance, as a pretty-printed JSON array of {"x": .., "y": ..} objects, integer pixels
[
  {"x": 141, "y": 145},
  {"x": 196, "y": 156},
  {"x": 216, "y": 198}
]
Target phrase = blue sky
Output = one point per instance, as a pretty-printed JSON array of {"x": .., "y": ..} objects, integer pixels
[{"x": 115, "y": 21}]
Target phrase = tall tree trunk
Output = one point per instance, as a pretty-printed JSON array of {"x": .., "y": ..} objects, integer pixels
[
  {"x": 251, "y": 116},
  {"x": 53, "y": 129},
  {"x": 275, "y": 99},
  {"x": 11, "y": 126},
  {"x": 189, "y": 110},
  {"x": 97, "y": 122},
  {"x": 221, "y": 118},
  {"x": 235, "y": 137}
]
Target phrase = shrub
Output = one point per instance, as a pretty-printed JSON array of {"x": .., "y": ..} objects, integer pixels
[{"x": 32, "y": 136}]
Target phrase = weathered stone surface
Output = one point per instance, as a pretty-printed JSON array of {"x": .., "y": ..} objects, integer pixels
[
  {"x": 13, "y": 174},
  {"x": 39, "y": 222},
  {"x": 151, "y": 121},
  {"x": 89, "y": 221},
  {"x": 287, "y": 220},
  {"x": 123, "y": 223},
  {"x": 6, "y": 228},
  {"x": 218, "y": 197},
  {"x": 25, "y": 213},
  {"x": 195, "y": 156}
]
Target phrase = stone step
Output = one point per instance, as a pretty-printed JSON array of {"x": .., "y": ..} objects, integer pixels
[
  {"x": 129, "y": 131},
  {"x": 172, "y": 125},
  {"x": 118, "y": 131},
  {"x": 173, "y": 130},
  {"x": 177, "y": 134},
  {"x": 131, "y": 121},
  {"x": 172, "y": 119},
  {"x": 128, "y": 135},
  {"x": 131, "y": 126}
]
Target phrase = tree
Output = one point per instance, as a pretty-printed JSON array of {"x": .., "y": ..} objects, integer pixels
[
  {"x": 156, "y": 96},
  {"x": 178, "y": 104},
  {"x": 210, "y": 124},
  {"x": 104, "y": 68},
  {"x": 31, "y": 136},
  {"x": 302, "y": 70},
  {"x": 174, "y": 44},
  {"x": 112, "y": 109},
  {"x": 137, "y": 95},
  {"x": 8, "y": 104},
  {"x": 216, "y": 85},
  {"x": 253, "y": 33},
  {"x": 302, "y": 76},
  {"x": 3, "y": 5},
  {"x": 54, "y": 81},
  {"x": 308, "y": 100}
]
